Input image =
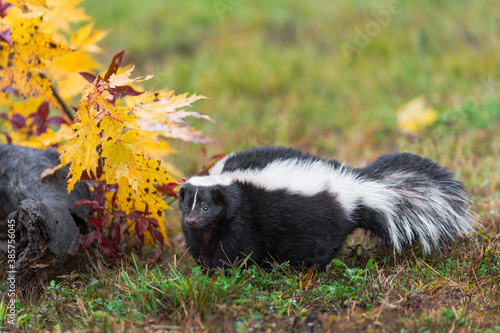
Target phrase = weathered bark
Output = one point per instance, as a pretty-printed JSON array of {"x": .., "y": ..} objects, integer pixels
[{"x": 48, "y": 227}]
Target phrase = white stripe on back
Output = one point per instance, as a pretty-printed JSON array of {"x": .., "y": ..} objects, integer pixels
[{"x": 305, "y": 178}]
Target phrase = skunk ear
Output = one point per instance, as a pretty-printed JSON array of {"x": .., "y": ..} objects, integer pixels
[
  {"x": 181, "y": 195},
  {"x": 218, "y": 196}
]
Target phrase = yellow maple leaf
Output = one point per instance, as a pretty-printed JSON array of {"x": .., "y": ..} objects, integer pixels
[
  {"x": 61, "y": 13},
  {"x": 23, "y": 138},
  {"x": 128, "y": 199},
  {"x": 86, "y": 39},
  {"x": 114, "y": 128},
  {"x": 95, "y": 113},
  {"x": 22, "y": 63},
  {"x": 26, "y": 107},
  {"x": 153, "y": 173},
  {"x": 163, "y": 102},
  {"x": 15, "y": 14},
  {"x": 64, "y": 71},
  {"x": 122, "y": 159},
  {"x": 51, "y": 138},
  {"x": 5, "y": 100},
  {"x": 120, "y": 147},
  {"x": 97, "y": 101},
  {"x": 28, "y": 5},
  {"x": 80, "y": 149},
  {"x": 157, "y": 147},
  {"x": 415, "y": 115}
]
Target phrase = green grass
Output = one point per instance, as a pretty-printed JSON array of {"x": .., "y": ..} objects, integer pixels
[
  {"x": 275, "y": 73},
  {"x": 369, "y": 289}
]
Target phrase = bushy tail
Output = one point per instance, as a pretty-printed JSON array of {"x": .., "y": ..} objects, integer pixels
[{"x": 416, "y": 199}]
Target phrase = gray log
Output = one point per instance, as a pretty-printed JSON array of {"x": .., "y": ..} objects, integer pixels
[{"x": 48, "y": 227}]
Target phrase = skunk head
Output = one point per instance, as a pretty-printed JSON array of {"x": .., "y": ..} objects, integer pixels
[{"x": 202, "y": 206}]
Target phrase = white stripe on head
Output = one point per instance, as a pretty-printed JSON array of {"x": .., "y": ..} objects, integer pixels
[
  {"x": 194, "y": 202},
  {"x": 210, "y": 180}
]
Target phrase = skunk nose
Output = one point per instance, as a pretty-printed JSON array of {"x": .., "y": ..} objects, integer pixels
[{"x": 191, "y": 221}]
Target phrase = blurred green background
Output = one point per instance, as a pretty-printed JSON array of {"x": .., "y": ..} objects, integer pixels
[{"x": 324, "y": 76}]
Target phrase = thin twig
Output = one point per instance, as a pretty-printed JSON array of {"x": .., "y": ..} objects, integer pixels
[{"x": 63, "y": 104}]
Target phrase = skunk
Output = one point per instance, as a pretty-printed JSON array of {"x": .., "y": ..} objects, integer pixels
[{"x": 279, "y": 204}]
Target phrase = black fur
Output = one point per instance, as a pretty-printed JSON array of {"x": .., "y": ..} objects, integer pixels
[
  {"x": 240, "y": 219},
  {"x": 260, "y": 157}
]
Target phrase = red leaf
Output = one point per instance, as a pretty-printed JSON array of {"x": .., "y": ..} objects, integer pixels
[
  {"x": 105, "y": 247},
  {"x": 167, "y": 189},
  {"x": 9, "y": 139},
  {"x": 156, "y": 235},
  {"x": 101, "y": 221},
  {"x": 40, "y": 129},
  {"x": 99, "y": 194},
  {"x": 85, "y": 176},
  {"x": 140, "y": 227},
  {"x": 216, "y": 157},
  {"x": 203, "y": 171},
  {"x": 43, "y": 110},
  {"x": 88, "y": 239},
  {"x": 82, "y": 202},
  {"x": 3, "y": 115},
  {"x": 90, "y": 182},
  {"x": 88, "y": 76},
  {"x": 113, "y": 201},
  {"x": 141, "y": 238},
  {"x": 40, "y": 118},
  {"x": 18, "y": 121},
  {"x": 116, "y": 235},
  {"x": 56, "y": 121},
  {"x": 211, "y": 161},
  {"x": 152, "y": 221},
  {"x": 5, "y": 36},
  {"x": 121, "y": 91},
  {"x": 95, "y": 222},
  {"x": 115, "y": 64},
  {"x": 135, "y": 215},
  {"x": 95, "y": 207},
  {"x": 99, "y": 171},
  {"x": 146, "y": 211},
  {"x": 104, "y": 219},
  {"x": 119, "y": 214},
  {"x": 3, "y": 8}
]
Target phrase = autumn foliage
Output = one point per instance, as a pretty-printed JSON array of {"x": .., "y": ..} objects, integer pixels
[{"x": 115, "y": 139}]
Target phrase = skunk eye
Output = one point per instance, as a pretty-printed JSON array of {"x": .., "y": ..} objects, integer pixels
[
  {"x": 205, "y": 208},
  {"x": 186, "y": 208}
]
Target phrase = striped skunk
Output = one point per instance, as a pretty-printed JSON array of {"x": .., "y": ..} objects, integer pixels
[{"x": 277, "y": 203}]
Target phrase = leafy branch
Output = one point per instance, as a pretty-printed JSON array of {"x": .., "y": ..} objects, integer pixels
[{"x": 44, "y": 67}]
